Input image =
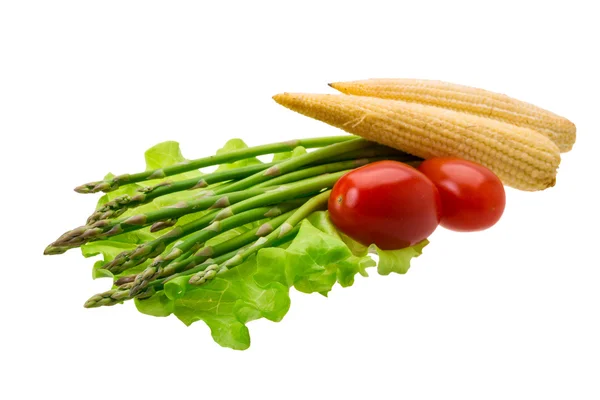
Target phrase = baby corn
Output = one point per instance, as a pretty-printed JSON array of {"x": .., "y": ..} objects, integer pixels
[
  {"x": 469, "y": 100},
  {"x": 521, "y": 157}
]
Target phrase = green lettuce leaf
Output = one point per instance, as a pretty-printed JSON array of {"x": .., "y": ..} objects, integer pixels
[
  {"x": 298, "y": 151},
  {"x": 232, "y": 145},
  {"x": 159, "y": 305},
  {"x": 230, "y": 234},
  {"x": 163, "y": 155},
  {"x": 225, "y": 304},
  {"x": 398, "y": 261},
  {"x": 313, "y": 262},
  {"x": 316, "y": 260}
]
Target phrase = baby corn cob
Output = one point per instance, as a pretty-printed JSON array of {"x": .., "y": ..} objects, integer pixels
[
  {"x": 522, "y": 158},
  {"x": 469, "y": 100}
]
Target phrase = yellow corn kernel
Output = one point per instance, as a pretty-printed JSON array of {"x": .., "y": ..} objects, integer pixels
[
  {"x": 469, "y": 100},
  {"x": 522, "y": 158}
]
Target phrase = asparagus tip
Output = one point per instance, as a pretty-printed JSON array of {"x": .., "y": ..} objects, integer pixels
[
  {"x": 52, "y": 250},
  {"x": 89, "y": 304},
  {"x": 84, "y": 189},
  {"x": 109, "y": 298},
  {"x": 93, "y": 302},
  {"x": 142, "y": 280},
  {"x": 175, "y": 252},
  {"x": 93, "y": 187},
  {"x": 204, "y": 276}
]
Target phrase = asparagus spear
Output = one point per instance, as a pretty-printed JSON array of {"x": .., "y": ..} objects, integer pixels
[
  {"x": 314, "y": 204},
  {"x": 193, "y": 258},
  {"x": 326, "y": 169},
  {"x": 119, "y": 205},
  {"x": 155, "y": 269},
  {"x": 375, "y": 150},
  {"x": 103, "y": 228},
  {"x": 114, "y": 183},
  {"x": 284, "y": 167},
  {"x": 108, "y": 298},
  {"x": 129, "y": 259},
  {"x": 120, "y": 294},
  {"x": 222, "y": 252},
  {"x": 303, "y": 188},
  {"x": 232, "y": 245},
  {"x": 244, "y": 199},
  {"x": 106, "y": 228},
  {"x": 162, "y": 268},
  {"x": 295, "y": 163},
  {"x": 234, "y": 221}
]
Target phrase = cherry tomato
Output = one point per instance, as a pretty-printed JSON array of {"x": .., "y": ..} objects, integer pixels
[
  {"x": 472, "y": 196},
  {"x": 386, "y": 203}
]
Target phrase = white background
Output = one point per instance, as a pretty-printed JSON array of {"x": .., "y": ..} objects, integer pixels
[{"x": 86, "y": 87}]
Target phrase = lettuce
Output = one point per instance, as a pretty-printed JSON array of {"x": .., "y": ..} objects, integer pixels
[{"x": 316, "y": 260}]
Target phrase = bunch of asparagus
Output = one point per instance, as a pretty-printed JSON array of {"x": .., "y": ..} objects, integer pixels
[{"x": 275, "y": 197}]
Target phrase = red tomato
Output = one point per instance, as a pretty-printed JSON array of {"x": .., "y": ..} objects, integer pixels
[
  {"x": 387, "y": 203},
  {"x": 472, "y": 196}
]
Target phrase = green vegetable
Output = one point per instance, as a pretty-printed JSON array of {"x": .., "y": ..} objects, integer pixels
[
  {"x": 161, "y": 171},
  {"x": 237, "y": 191},
  {"x": 116, "y": 207},
  {"x": 200, "y": 237},
  {"x": 235, "y": 240}
]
